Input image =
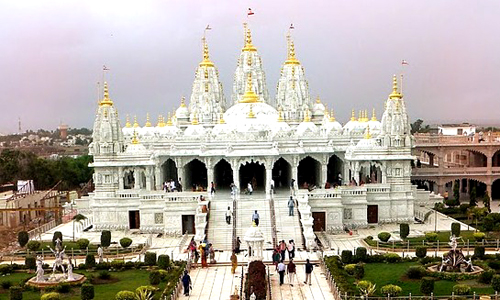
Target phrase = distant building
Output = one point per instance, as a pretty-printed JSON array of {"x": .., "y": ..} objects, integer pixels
[
  {"x": 457, "y": 129},
  {"x": 63, "y": 131}
]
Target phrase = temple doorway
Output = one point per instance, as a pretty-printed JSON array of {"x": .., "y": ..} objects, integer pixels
[
  {"x": 372, "y": 214},
  {"x": 169, "y": 171},
  {"x": 188, "y": 224},
  {"x": 282, "y": 174},
  {"x": 134, "y": 219},
  {"x": 128, "y": 180},
  {"x": 223, "y": 174},
  {"x": 334, "y": 169},
  {"x": 254, "y": 173},
  {"x": 196, "y": 175},
  {"x": 319, "y": 223},
  {"x": 308, "y": 172}
]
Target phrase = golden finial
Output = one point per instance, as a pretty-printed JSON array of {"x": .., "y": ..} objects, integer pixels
[
  {"x": 127, "y": 122},
  {"x": 169, "y": 120},
  {"x": 106, "y": 100},
  {"x": 194, "y": 121},
  {"x": 332, "y": 117},
  {"x": 318, "y": 100},
  {"x": 251, "y": 115},
  {"x": 183, "y": 101},
  {"x": 148, "y": 123},
  {"x": 206, "y": 87},
  {"x": 307, "y": 118},
  {"x": 291, "y": 60},
  {"x": 135, "y": 141},
  {"x": 366, "y": 115},
  {"x": 161, "y": 122},
  {"x": 206, "y": 57},
  {"x": 249, "y": 96},
  {"x": 374, "y": 118},
  {"x": 395, "y": 94},
  {"x": 135, "y": 122},
  {"x": 248, "y": 40},
  {"x": 353, "y": 116},
  {"x": 221, "y": 119},
  {"x": 360, "y": 116},
  {"x": 205, "y": 74},
  {"x": 367, "y": 133},
  {"x": 280, "y": 115}
]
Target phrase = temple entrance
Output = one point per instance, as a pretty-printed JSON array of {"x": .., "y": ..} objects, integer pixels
[
  {"x": 134, "y": 219},
  {"x": 169, "y": 171},
  {"x": 319, "y": 223},
  {"x": 308, "y": 172},
  {"x": 282, "y": 174},
  {"x": 188, "y": 224},
  {"x": 372, "y": 214},
  {"x": 254, "y": 173},
  {"x": 196, "y": 175},
  {"x": 334, "y": 169},
  {"x": 128, "y": 180},
  {"x": 223, "y": 174}
]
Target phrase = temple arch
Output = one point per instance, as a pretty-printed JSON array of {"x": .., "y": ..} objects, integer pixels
[
  {"x": 253, "y": 172},
  {"x": 308, "y": 172},
  {"x": 195, "y": 175},
  {"x": 223, "y": 174},
  {"x": 282, "y": 173},
  {"x": 495, "y": 190},
  {"x": 334, "y": 169},
  {"x": 169, "y": 170},
  {"x": 128, "y": 179}
]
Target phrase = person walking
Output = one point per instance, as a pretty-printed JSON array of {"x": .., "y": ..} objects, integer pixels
[
  {"x": 211, "y": 252},
  {"x": 249, "y": 188},
  {"x": 309, "y": 268},
  {"x": 291, "y": 271},
  {"x": 272, "y": 186},
  {"x": 237, "y": 245},
  {"x": 291, "y": 204},
  {"x": 291, "y": 249},
  {"x": 292, "y": 187},
  {"x": 276, "y": 257},
  {"x": 255, "y": 218},
  {"x": 282, "y": 249},
  {"x": 186, "y": 282},
  {"x": 228, "y": 215},
  {"x": 234, "y": 262},
  {"x": 281, "y": 271},
  {"x": 212, "y": 188}
]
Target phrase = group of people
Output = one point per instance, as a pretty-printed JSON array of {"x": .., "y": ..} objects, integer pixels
[
  {"x": 172, "y": 186},
  {"x": 279, "y": 254},
  {"x": 204, "y": 250}
]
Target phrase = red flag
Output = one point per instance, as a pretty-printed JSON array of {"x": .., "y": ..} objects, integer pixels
[
  {"x": 404, "y": 62},
  {"x": 291, "y": 26},
  {"x": 250, "y": 12},
  {"x": 208, "y": 27}
]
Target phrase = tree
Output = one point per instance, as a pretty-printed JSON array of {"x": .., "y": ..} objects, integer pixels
[
  {"x": 473, "y": 197},
  {"x": 455, "y": 229},
  {"x": 477, "y": 213},
  {"x": 125, "y": 242},
  {"x": 456, "y": 192},
  {"x": 105, "y": 238},
  {"x": 404, "y": 230},
  {"x": 417, "y": 126},
  {"x": 22, "y": 238},
  {"x": 486, "y": 201}
]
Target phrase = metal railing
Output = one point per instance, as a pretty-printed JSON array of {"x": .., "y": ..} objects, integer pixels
[
  {"x": 269, "y": 289},
  {"x": 38, "y": 231},
  {"x": 235, "y": 206},
  {"x": 273, "y": 221},
  {"x": 337, "y": 295},
  {"x": 177, "y": 291}
]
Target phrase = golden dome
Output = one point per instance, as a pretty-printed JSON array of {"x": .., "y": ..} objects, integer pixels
[
  {"x": 307, "y": 118},
  {"x": 183, "y": 101},
  {"x": 332, "y": 117},
  {"x": 106, "y": 100},
  {"x": 127, "y": 122},
  {"x": 367, "y": 133},
  {"x": 169, "y": 120},
  {"x": 135, "y": 122},
  {"x": 395, "y": 94},
  {"x": 161, "y": 122},
  {"x": 135, "y": 141},
  {"x": 193, "y": 122},
  {"x": 206, "y": 56},
  {"x": 221, "y": 119},
  {"x": 148, "y": 123},
  {"x": 249, "y": 96},
  {"x": 248, "y": 40},
  {"x": 374, "y": 118},
  {"x": 353, "y": 116}
]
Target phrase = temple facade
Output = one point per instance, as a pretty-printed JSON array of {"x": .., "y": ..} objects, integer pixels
[{"x": 356, "y": 174}]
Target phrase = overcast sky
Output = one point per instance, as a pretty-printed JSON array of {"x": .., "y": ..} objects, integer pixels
[{"x": 52, "y": 53}]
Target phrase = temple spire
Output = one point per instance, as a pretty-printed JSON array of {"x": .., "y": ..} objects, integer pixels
[
  {"x": 148, "y": 122},
  {"x": 249, "y": 96},
  {"x": 374, "y": 117},
  {"x": 206, "y": 56},
  {"x": 106, "y": 100},
  {"x": 291, "y": 59},
  {"x": 395, "y": 93},
  {"x": 248, "y": 40},
  {"x": 127, "y": 122}
]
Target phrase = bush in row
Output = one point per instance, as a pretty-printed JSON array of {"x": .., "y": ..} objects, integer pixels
[
  {"x": 461, "y": 289},
  {"x": 57, "y": 236},
  {"x": 15, "y": 293},
  {"x": 404, "y": 230},
  {"x": 51, "y": 296},
  {"x": 361, "y": 254},
  {"x": 33, "y": 245},
  {"x": 125, "y": 295},
  {"x": 125, "y": 242},
  {"x": 421, "y": 251},
  {"x": 455, "y": 229},
  {"x": 163, "y": 262},
  {"x": 391, "y": 290},
  {"x": 87, "y": 292},
  {"x": 431, "y": 237},
  {"x": 82, "y": 243},
  {"x": 23, "y": 238},
  {"x": 150, "y": 258},
  {"x": 427, "y": 285},
  {"x": 416, "y": 272},
  {"x": 384, "y": 236}
]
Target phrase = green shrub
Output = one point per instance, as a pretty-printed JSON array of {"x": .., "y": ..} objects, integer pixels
[
  {"x": 117, "y": 264},
  {"x": 492, "y": 222},
  {"x": 384, "y": 236},
  {"x": 146, "y": 290},
  {"x": 461, "y": 289},
  {"x": 479, "y": 236},
  {"x": 104, "y": 275},
  {"x": 391, "y": 289},
  {"x": 5, "y": 269},
  {"x": 23, "y": 238},
  {"x": 350, "y": 269},
  {"x": 359, "y": 271},
  {"x": 494, "y": 265},
  {"x": 33, "y": 245},
  {"x": 82, "y": 243},
  {"x": 346, "y": 256},
  {"x": 30, "y": 262},
  {"x": 125, "y": 295},
  {"x": 163, "y": 262},
  {"x": 404, "y": 230},
  {"x": 125, "y": 242},
  {"x": 155, "y": 278},
  {"x": 486, "y": 277},
  {"x": 6, "y": 284},
  {"x": 15, "y": 293},
  {"x": 427, "y": 285},
  {"x": 57, "y": 235},
  {"x": 90, "y": 261},
  {"x": 105, "y": 238},
  {"x": 150, "y": 258},
  {"x": 87, "y": 292},
  {"x": 51, "y": 296},
  {"x": 495, "y": 283},
  {"x": 416, "y": 272},
  {"x": 361, "y": 254},
  {"x": 464, "y": 207},
  {"x": 479, "y": 251},
  {"x": 455, "y": 228},
  {"x": 421, "y": 251},
  {"x": 366, "y": 287},
  {"x": 392, "y": 257},
  {"x": 431, "y": 237},
  {"x": 63, "y": 288}
]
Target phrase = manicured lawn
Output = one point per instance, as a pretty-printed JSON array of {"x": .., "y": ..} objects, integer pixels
[
  {"x": 127, "y": 280},
  {"x": 443, "y": 237},
  {"x": 384, "y": 273}
]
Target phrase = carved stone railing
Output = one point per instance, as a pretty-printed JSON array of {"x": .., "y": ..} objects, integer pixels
[
  {"x": 306, "y": 220},
  {"x": 453, "y": 140}
]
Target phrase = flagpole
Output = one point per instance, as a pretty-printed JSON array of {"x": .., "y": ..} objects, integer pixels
[{"x": 402, "y": 83}]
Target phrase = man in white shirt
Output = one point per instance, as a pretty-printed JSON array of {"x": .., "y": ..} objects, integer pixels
[
  {"x": 281, "y": 271},
  {"x": 228, "y": 215}
]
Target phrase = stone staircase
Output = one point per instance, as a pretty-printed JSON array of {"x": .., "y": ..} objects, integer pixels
[
  {"x": 220, "y": 233},
  {"x": 288, "y": 227},
  {"x": 247, "y": 204}
]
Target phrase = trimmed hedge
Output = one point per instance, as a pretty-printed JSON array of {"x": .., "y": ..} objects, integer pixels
[
  {"x": 361, "y": 254},
  {"x": 23, "y": 238},
  {"x": 404, "y": 230},
  {"x": 257, "y": 279},
  {"x": 15, "y": 293},
  {"x": 125, "y": 295},
  {"x": 87, "y": 292},
  {"x": 431, "y": 237},
  {"x": 416, "y": 272},
  {"x": 359, "y": 271},
  {"x": 30, "y": 262},
  {"x": 479, "y": 251},
  {"x": 57, "y": 235},
  {"x": 51, "y": 296},
  {"x": 479, "y": 236},
  {"x": 163, "y": 262},
  {"x": 346, "y": 256},
  {"x": 495, "y": 283},
  {"x": 150, "y": 258},
  {"x": 90, "y": 261},
  {"x": 455, "y": 229},
  {"x": 427, "y": 285},
  {"x": 83, "y": 243},
  {"x": 384, "y": 236},
  {"x": 155, "y": 277},
  {"x": 125, "y": 242},
  {"x": 105, "y": 238},
  {"x": 33, "y": 245},
  {"x": 391, "y": 289},
  {"x": 461, "y": 289},
  {"x": 421, "y": 251}
]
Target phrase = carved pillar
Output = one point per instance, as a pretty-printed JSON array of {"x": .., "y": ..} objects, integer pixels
[
  {"x": 149, "y": 173},
  {"x": 269, "y": 175},
  {"x": 121, "y": 186},
  {"x": 210, "y": 176},
  {"x": 235, "y": 165},
  {"x": 488, "y": 189},
  {"x": 158, "y": 177},
  {"x": 295, "y": 174},
  {"x": 137, "y": 177},
  {"x": 323, "y": 175}
]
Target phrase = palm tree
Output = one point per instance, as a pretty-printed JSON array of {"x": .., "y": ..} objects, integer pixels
[
  {"x": 477, "y": 213},
  {"x": 77, "y": 218}
]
